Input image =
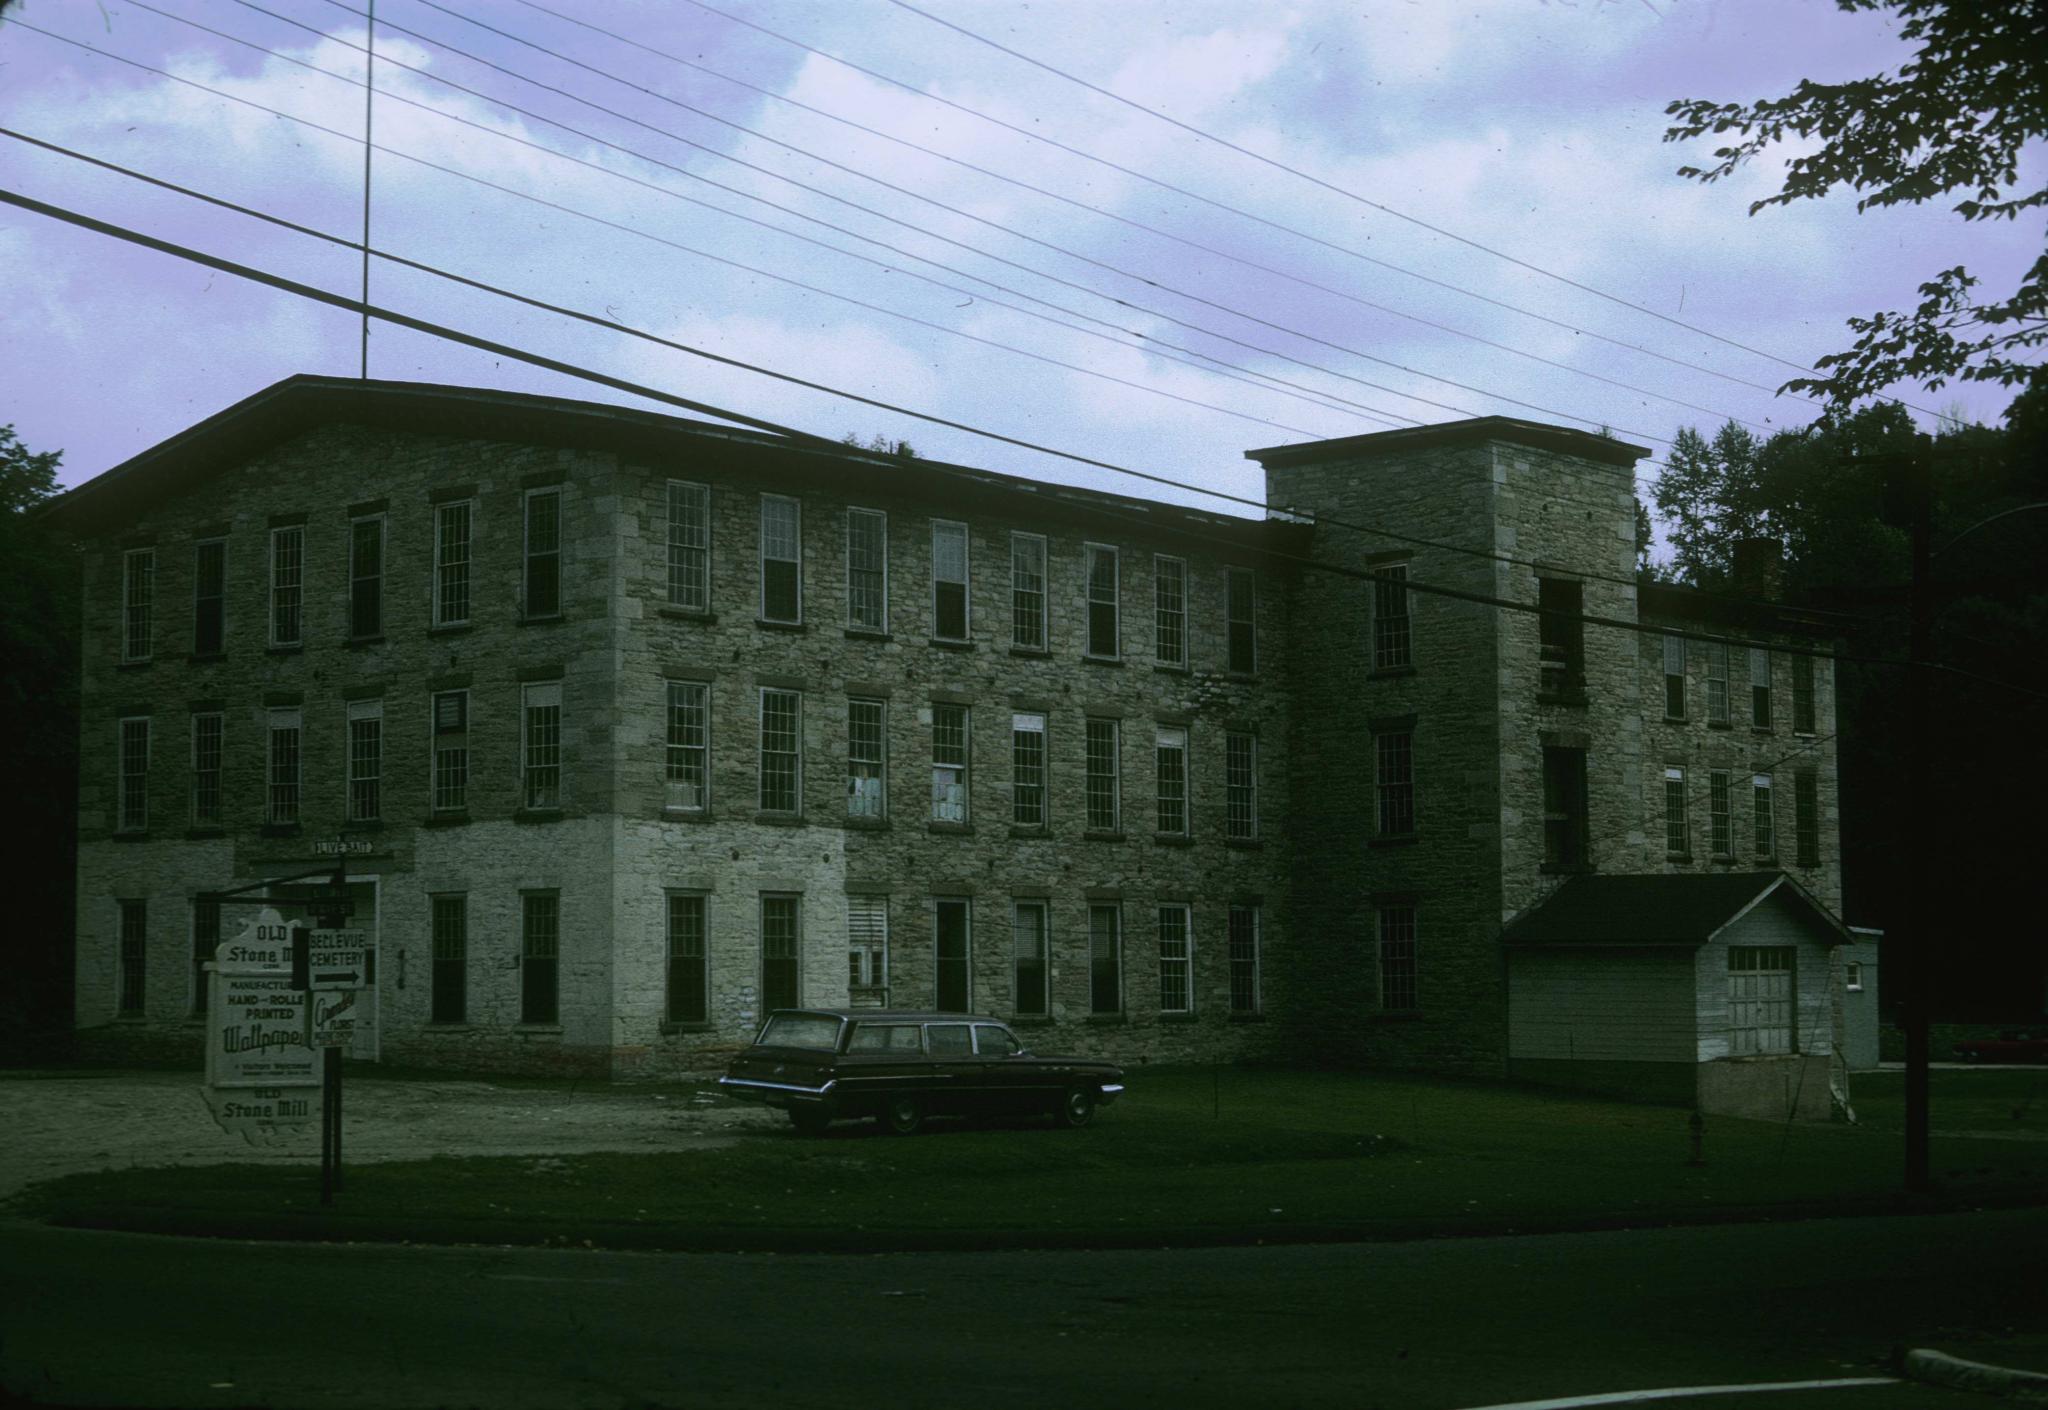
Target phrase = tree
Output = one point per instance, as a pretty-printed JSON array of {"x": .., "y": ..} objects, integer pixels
[
  {"x": 880, "y": 445},
  {"x": 1710, "y": 495},
  {"x": 1955, "y": 118}
]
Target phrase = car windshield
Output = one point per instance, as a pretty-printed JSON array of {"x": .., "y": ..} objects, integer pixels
[
  {"x": 801, "y": 1030},
  {"x": 991, "y": 1041}
]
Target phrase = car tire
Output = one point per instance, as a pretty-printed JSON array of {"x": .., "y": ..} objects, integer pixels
[
  {"x": 902, "y": 1115},
  {"x": 1076, "y": 1108},
  {"x": 809, "y": 1120}
]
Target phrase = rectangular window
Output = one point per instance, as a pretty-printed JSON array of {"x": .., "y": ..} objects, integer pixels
[
  {"x": 1029, "y": 960},
  {"x": 138, "y": 603},
  {"x": 542, "y": 764},
  {"x": 1241, "y": 785},
  {"x": 1105, "y": 959},
  {"x": 1397, "y": 959},
  {"x": 1852, "y": 977},
  {"x": 949, "y": 763},
  {"x": 1176, "y": 961},
  {"x": 867, "y": 570},
  {"x": 451, "y": 751},
  {"x": 689, "y": 546},
  {"x": 867, "y": 946},
  {"x": 950, "y": 928},
  {"x": 287, "y": 584},
  {"x": 1394, "y": 782},
  {"x": 281, "y": 808},
  {"x": 451, "y": 564},
  {"x": 689, "y": 976},
  {"x": 1027, "y": 591},
  {"x": 540, "y": 957},
  {"x": 134, "y": 956},
  {"x": 207, "y": 731},
  {"x": 365, "y": 760},
  {"x": 1390, "y": 628},
  {"x": 205, "y": 940},
  {"x": 366, "y": 576},
  {"x": 1802, "y": 695},
  {"x": 209, "y": 597},
  {"x": 1674, "y": 677},
  {"x": 1561, "y": 636},
  {"x": 1717, "y": 683},
  {"x": 782, "y": 758},
  {"x": 949, "y": 581},
  {"x": 450, "y": 979},
  {"x": 1565, "y": 830},
  {"x": 1169, "y": 610},
  {"x": 686, "y": 767},
  {"x": 782, "y": 574},
  {"x": 1677, "y": 843},
  {"x": 866, "y": 795},
  {"x": 1100, "y": 565},
  {"x": 1104, "y": 788},
  {"x": 1244, "y": 959},
  {"x": 134, "y": 800},
  {"x": 543, "y": 580},
  {"x": 1759, "y": 688},
  {"x": 1760, "y": 999},
  {"x": 1027, "y": 770},
  {"x": 1720, "y": 818},
  {"x": 1766, "y": 823},
  {"x": 1241, "y": 615},
  {"x": 1806, "y": 818},
  {"x": 781, "y": 951},
  {"x": 1171, "y": 753}
]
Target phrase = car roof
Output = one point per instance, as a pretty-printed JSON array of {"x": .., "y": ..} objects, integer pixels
[{"x": 893, "y": 1015}]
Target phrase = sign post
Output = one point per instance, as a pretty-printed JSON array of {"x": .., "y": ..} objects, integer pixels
[{"x": 260, "y": 1082}]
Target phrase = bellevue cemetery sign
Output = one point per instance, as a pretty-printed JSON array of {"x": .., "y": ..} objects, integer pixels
[{"x": 262, "y": 1079}]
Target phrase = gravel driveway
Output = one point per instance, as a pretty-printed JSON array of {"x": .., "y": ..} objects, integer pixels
[{"x": 58, "y": 1124}]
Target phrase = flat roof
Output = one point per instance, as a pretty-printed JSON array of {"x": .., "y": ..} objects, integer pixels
[{"x": 1586, "y": 444}]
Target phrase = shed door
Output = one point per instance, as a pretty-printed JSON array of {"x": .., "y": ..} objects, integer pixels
[{"x": 1760, "y": 990}]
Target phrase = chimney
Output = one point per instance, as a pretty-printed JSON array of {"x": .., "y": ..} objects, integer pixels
[{"x": 1757, "y": 567}]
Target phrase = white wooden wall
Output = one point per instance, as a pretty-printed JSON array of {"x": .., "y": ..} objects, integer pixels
[{"x": 1772, "y": 923}]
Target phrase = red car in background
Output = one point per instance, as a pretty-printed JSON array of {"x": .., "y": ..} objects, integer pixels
[{"x": 2013, "y": 1045}]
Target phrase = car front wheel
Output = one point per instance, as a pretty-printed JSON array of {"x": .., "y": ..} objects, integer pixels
[
  {"x": 1077, "y": 1107},
  {"x": 903, "y": 1115}
]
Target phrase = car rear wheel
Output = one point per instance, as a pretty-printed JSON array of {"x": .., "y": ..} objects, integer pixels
[
  {"x": 903, "y": 1115},
  {"x": 809, "y": 1120},
  {"x": 1076, "y": 1108}
]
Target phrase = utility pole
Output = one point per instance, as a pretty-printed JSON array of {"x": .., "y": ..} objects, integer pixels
[
  {"x": 369, "y": 112},
  {"x": 1917, "y": 502}
]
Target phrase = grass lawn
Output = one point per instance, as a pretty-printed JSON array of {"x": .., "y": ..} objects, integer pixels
[{"x": 1188, "y": 1156}]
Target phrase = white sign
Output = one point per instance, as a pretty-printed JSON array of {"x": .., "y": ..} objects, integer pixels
[
  {"x": 262, "y": 1078},
  {"x": 339, "y": 959},
  {"x": 334, "y": 1018},
  {"x": 263, "y": 1116}
]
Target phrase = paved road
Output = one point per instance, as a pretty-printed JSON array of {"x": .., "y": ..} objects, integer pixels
[{"x": 102, "y": 1318}]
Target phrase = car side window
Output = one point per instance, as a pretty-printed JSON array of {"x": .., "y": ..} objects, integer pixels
[
  {"x": 992, "y": 1041},
  {"x": 947, "y": 1039},
  {"x": 884, "y": 1038}
]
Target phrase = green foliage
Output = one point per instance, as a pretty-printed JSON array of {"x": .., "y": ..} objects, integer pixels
[
  {"x": 1956, "y": 118},
  {"x": 880, "y": 445}
]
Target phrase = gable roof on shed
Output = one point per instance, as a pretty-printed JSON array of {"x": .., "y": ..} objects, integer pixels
[{"x": 1659, "y": 910}]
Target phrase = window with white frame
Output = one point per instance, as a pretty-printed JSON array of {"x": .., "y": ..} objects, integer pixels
[
  {"x": 449, "y": 765},
  {"x": 1244, "y": 958},
  {"x": 1176, "y": 960},
  {"x": 1766, "y": 822},
  {"x": 366, "y": 576},
  {"x": 138, "y": 603},
  {"x": 1720, "y": 817},
  {"x": 1169, "y": 610},
  {"x": 1241, "y": 616},
  {"x": 949, "y": 763},
  {"x": 689, "y": 966},
  {"x": 1398, "y": 977},
  {"x": 1240, "y": 785},
  {"x": 1103, "y": 787},
  {"x": 134, "y": 940},
  {"x": 782, "y": 578},
  {"x": 866, "y": 766},
  {"x": 1674, "y": 677},
  {"x": 1391, "y": 636},
  {"x": 951, "y": 960},
  {"x": 949, "y": 581},
  {"x": 1677, "y": 841},
  {"x": 1170, "y": 752},
  {"x": 1101, "y": 569},
  {"x": 448, "y": 981},
  {"x": 1105, "y": 959},
  {"x": 208, "y": 728},
  {"x": 365, "y": 760},
  {"x": 134, "y": 798},
  {"x": 1027, "y": 769},
  {"x": 287, "y": 585},
  {"x": 1394, "y": 781},
  {"x": 1852, "y": 977},
  {"x": 686, "y": 768},
  {"x": 1760, "y": 989},
  {"x": 540, "y": 957},
  {"x": 781, "y": 756},
  {"x": 452, "y": 524},
  {"x": 1027, "y": 591},
  {"x": 543, "y": 577},
  {"x": 867, "y": 570},
  {"x": 1759, "y": 688},
  {"x": 209, "y": 597},
  {"x": 1806, "y": 818},
  {"x": 867, "y": 946},
  {"x": 541, "y": 704},
  {"x": 1030, "y": 960},
  {"x": 281, "y": 805},
  {"x": 1802, "y": 695},
  {"x": 1717, "y": 683},
  {"x": 689, "y": 546}
]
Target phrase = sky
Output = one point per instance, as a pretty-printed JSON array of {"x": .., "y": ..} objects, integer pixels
[{"x": 1481, "y": 216}]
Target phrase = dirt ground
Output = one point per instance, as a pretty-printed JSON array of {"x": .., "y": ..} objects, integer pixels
[{"x": 63, "y": 1123}]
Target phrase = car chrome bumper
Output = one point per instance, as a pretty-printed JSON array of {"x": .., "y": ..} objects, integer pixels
[
  {"x": 754, "y": 1089},
  {"x": 1110, "y": 1092}
]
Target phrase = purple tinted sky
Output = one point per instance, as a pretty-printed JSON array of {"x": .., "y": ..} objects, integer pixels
[{"x": 1528, "y": 126}]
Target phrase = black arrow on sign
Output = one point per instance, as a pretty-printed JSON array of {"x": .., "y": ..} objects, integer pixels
[{"x": 330, "y": 976}]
